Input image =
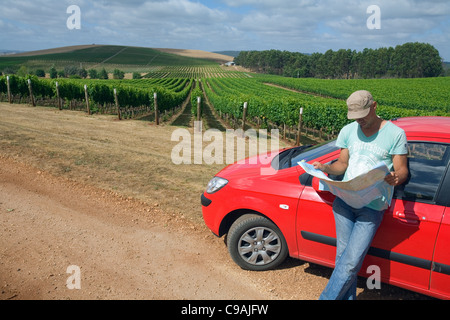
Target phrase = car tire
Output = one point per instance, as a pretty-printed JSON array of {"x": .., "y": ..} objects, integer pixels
[{"x": 256, "y": 243}]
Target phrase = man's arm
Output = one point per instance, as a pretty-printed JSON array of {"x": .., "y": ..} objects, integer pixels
[
  {"x": 400, "y": 173},
  {"x": 336, "y": 168}
]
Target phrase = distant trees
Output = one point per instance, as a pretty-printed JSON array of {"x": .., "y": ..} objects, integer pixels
[
  {"x": 40, "y": 73},
  {"x": 53, "y": 73},
  {"x": 77, "y": 72},
  {"x": 410, "y": 60},
  {"x": 103, "y": 74},
  {"x": 118, "y": 74},
  {"x": 93, "y": 74}
]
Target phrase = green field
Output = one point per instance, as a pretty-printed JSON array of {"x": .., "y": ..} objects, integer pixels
[{"x": 128, "y": 59}]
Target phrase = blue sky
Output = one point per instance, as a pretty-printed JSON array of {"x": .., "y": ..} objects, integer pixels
[{"x": 303, "y": 25}]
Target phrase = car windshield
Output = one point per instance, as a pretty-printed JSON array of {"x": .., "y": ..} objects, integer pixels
[{"x": 291, "y": 157}]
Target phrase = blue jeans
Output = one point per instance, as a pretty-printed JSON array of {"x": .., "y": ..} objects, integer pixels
[{"x": 355, "y": 229}]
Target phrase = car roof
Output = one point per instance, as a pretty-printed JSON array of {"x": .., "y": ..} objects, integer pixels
[{"x": 437, "y": 127}]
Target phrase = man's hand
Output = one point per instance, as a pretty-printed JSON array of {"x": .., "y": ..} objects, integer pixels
[
  {"x": 319, "y": 166},
  {"x": 337, "y": 167},
  {"x": 392, "y": 178},
  {"x": 400, "y": 173}
]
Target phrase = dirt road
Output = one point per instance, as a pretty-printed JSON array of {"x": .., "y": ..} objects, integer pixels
[
  {"x": 124, "y": 246},
  {"x": 124, "y": 249}
]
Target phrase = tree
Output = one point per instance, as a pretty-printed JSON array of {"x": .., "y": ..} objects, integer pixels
[
  {"x": 103, "y": 74},
  {"x": 429, "y": 62},
  {"x": 82, "y": 73},
  {"x": 40, "y": 73},
  {"x": 93, "y": 74},
  {"x": 118, "y": 74},
  {"x": 53, "y": 73},
  {"x": 22, "y": 72},
  {"x": 406, "y": 61}
]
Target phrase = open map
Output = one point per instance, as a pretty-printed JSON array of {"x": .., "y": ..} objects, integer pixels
[{"x": 359, "y": 191}]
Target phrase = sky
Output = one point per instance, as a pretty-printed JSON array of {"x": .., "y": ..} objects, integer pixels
[{"x": 305, "y": 26}]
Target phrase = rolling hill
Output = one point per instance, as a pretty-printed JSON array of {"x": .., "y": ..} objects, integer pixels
[{"x": 109, "y": 57}]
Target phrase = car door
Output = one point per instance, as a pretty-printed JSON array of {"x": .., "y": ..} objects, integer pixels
[
  {"x": 404, "y": 244},
  {"x": 440, "y": 270},
  {"x": 316, "y": 232}
]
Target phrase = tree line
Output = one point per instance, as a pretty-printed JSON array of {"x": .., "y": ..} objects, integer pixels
[
  {"x": 410, "y": 60},
  {"x": 71, "y": 71}
]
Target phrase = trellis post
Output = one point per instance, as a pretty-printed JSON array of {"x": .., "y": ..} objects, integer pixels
[
  {"x": 155, "y": 98},
  {"x": 9, "y": 89},
  {"x": 86, "y": 95},
  {"x": 57, "y": 96},
  {"x": 116, "y": 100},
  {"x": 299, "y": 126},
  {"x": 30, "y": 88}
]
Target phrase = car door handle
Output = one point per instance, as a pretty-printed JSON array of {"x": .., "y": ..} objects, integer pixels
[{"x": 408, "y": 218}]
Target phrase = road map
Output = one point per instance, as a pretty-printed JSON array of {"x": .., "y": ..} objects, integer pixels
[{"x": 359, "y": 191}]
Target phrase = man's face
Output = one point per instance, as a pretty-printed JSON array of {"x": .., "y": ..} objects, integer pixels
[
  {"x": 363, "y": 122},
  {"x": 368, "y": 120}
]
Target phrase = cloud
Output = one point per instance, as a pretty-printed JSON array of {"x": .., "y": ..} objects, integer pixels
[{"x": 295, "y": 25}]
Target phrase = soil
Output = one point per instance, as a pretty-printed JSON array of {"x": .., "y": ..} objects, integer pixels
[{"x": 125, "y": 245}]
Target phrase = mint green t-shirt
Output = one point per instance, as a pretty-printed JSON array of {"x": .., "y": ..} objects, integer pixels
[{"x": 366, "y": 152}]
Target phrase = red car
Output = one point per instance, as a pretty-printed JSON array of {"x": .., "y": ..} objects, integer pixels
[{"x": 269, "y": 216}]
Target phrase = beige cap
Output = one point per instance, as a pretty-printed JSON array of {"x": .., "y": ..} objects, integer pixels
[{"x": 359, "y": 104}]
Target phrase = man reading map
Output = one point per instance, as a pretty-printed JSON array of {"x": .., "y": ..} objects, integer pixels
[{"x": 364, "y": 143}]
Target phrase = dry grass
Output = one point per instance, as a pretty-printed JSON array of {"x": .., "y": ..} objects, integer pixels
[
  {"x": 220, "y": 58},
  {"x": 132, "y": 158}
]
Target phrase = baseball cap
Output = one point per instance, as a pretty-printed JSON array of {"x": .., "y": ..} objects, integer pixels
[{"x": 359, "y": 104}]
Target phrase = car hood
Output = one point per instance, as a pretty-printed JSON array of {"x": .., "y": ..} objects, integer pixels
[
  {"x": 257, "y": 175},
  {"x": 259, "y": 165}
]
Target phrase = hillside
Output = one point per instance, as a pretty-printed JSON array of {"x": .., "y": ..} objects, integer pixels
[{"x": 95, "y": 56}]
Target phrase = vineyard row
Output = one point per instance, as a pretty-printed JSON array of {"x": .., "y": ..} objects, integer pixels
[
  {"x": 266, "y": 104},
  {"x": 123, "y": 98}
]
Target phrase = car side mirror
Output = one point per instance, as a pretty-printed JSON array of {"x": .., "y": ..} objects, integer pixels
[{"x": 308, "y": 180}]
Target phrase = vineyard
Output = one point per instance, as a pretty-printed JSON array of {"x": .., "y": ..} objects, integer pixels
[
  {"x": 272, "y": 101},
  {"x": 322, "y": 101},
  {"x": 428, "y": 94},
  {"x": 194, "y": 72},
  {"x": 126, "y": 98}
]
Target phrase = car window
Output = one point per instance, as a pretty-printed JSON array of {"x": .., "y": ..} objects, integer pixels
[
  {"x": 315, "y": 152},
  {"x": 427, "y": 163},
  {"x": 290, "y": 158}
]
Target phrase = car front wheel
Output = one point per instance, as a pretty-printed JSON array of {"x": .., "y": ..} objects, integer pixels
[{"x": 256, "y": 243}]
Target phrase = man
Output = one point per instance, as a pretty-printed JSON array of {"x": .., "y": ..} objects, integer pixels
[{"x": 364, "y": 143}]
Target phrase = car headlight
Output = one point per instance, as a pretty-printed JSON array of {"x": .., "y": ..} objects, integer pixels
[{"x": 216, "y": 184}]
